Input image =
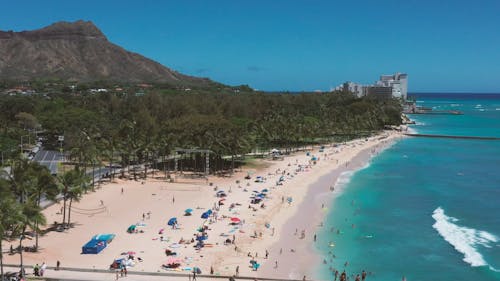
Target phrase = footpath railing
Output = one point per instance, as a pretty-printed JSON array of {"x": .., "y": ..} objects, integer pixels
[{"x": 145, "y": 273}]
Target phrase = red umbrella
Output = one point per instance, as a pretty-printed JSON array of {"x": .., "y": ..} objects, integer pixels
[{"x": 236, "y": 220}]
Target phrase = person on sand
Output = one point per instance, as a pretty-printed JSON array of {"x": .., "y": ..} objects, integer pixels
[
  {"x": 267, "y": 254},
  {"x": 237, "y": 270},
  {"x": 173, "y": 200},
  {"x": 276, "y": 264},
  {"x": 304, "y": 278},
  {"x": 43, "y": 268},
  {"x": 315, "y": 237},
  {"x": 58, "y": 264},
  {"x": 122, "y": 190}
]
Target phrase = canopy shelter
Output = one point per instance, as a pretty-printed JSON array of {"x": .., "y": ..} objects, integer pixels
[
  {"x": 182, "y": 152},
  {"x": 97, "y": 243}
]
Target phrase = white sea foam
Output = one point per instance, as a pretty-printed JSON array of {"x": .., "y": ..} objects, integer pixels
[
  {"x": 343, "y": 179},
  {"x": 465, "y": 240}
]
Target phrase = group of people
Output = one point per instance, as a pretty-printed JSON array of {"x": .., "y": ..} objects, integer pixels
[{"x": 39, "y": 270}]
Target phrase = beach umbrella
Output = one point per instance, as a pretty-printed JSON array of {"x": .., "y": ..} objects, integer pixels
[
  {"x": 131, "y": 228},
  {"x": 131, "y": 253},
  {"x": 197, "y": 270},
  {"x": 220, "y": 191},
  {"x": 236, "y": 220},
  {"x": 172, "y": 221},
  {"x": 188, "y": 210},
  {"x": 265, "y": 190},
  {"x": 205, "y": 215}
]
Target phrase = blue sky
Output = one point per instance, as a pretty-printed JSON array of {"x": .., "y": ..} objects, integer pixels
[{"x": 445, "y": 45}]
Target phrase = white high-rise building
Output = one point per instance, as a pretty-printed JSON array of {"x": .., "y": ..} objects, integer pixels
[{"x": 398, "y": 82}]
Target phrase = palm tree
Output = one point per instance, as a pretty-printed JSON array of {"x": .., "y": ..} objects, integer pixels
[
  {"x": 74, "y": 194},
  {"x": 9, "y": 216},
  {"x": 31, "y": 217},
  {"x": 71, "y": 180}
]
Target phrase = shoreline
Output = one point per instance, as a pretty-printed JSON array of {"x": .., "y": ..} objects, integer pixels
[
  {"x": 156, "y": 196},
  {"x": 314, "y": 208}
]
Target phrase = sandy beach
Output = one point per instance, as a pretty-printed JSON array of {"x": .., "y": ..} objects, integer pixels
[{"x": 237, "y": 230}]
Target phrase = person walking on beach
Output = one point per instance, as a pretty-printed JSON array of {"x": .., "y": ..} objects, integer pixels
[
  {"x": 237, "y": 270},
  {"x": 276, "y": 264},
  {"x": 267, "y": 254},
  {"x": 315, "y": 237},
  {"x": 43, "y": 268},
  {"x": 194, "y": 275},
  {"x": 58, "y": 264},
  {"x": 122, "y": 190}
]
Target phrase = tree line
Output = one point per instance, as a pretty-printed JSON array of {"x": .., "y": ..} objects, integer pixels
[{"x": 137, "y": 129}]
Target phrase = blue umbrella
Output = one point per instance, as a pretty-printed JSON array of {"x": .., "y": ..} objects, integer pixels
[
  {"x": 206, "y": 214},
  {"x": 189, "y": 210},
  {"x": 265, "y": 190},
  {"x": 172, "y": 221}
]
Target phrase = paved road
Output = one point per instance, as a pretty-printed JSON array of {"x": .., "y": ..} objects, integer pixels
[{"x": 49, "y": 158}]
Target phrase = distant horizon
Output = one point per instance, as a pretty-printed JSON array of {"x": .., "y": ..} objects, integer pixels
[{"x": 449, "y": 46}]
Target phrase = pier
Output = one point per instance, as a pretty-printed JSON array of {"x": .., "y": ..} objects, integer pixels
[
  {"x": 435, "y": 112},
  {"x": 452, "y": 137}
]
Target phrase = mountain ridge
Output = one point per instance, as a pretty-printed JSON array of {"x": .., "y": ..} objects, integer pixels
[{"x": 79, "y": 51}]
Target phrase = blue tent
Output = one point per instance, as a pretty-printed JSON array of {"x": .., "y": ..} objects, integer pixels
[
  {"x": 172, "y": 221},
  {"x": 97, "y": 243},
  {"x": 94, "y": 247}
]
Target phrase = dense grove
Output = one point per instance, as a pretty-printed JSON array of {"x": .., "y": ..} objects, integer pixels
[{"x": 130, "y": 127}]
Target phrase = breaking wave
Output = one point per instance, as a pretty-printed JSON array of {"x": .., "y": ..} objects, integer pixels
[{"x": 464, "y": 239}]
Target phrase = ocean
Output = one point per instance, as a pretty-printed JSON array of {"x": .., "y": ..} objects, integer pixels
[{"x": 425, "y": 209}]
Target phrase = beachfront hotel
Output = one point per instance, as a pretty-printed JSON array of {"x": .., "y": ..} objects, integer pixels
[{"x": 395, "y": 85}]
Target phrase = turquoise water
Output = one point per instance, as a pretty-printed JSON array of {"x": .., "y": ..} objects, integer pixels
[{"x": 426, "y": 209}]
